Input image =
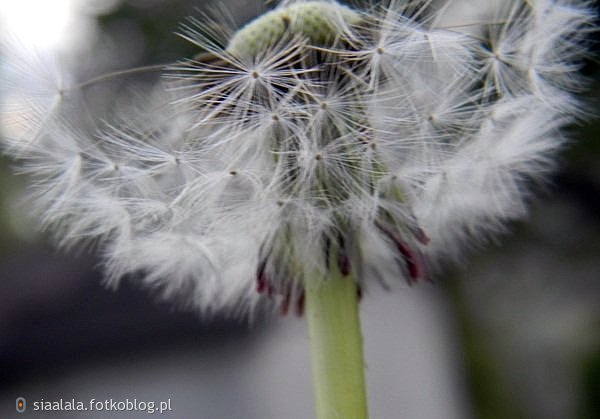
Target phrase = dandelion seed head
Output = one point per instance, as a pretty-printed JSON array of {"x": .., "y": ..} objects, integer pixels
[{"x": 319, "y": 137}]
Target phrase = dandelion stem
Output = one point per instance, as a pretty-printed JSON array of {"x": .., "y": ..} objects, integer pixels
[{"x": 336, "y": 347}]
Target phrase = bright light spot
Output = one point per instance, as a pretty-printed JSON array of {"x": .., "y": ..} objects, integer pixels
[{"x": 43, "y": 24}]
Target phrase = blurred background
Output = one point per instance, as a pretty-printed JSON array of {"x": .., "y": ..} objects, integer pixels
[{"x": 513, "y": 332}]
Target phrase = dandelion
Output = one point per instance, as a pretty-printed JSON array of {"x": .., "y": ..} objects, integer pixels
[{"x": 314, "y": 151}]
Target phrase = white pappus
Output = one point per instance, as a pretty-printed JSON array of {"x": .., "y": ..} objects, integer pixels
[{"x": 377, "y": 141}]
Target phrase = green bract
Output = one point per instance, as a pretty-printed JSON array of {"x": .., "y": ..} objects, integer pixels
[{"x": 320, "y": 22}]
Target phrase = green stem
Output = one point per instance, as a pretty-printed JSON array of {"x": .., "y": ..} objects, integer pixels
[{"x": 336, "y": 347}]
